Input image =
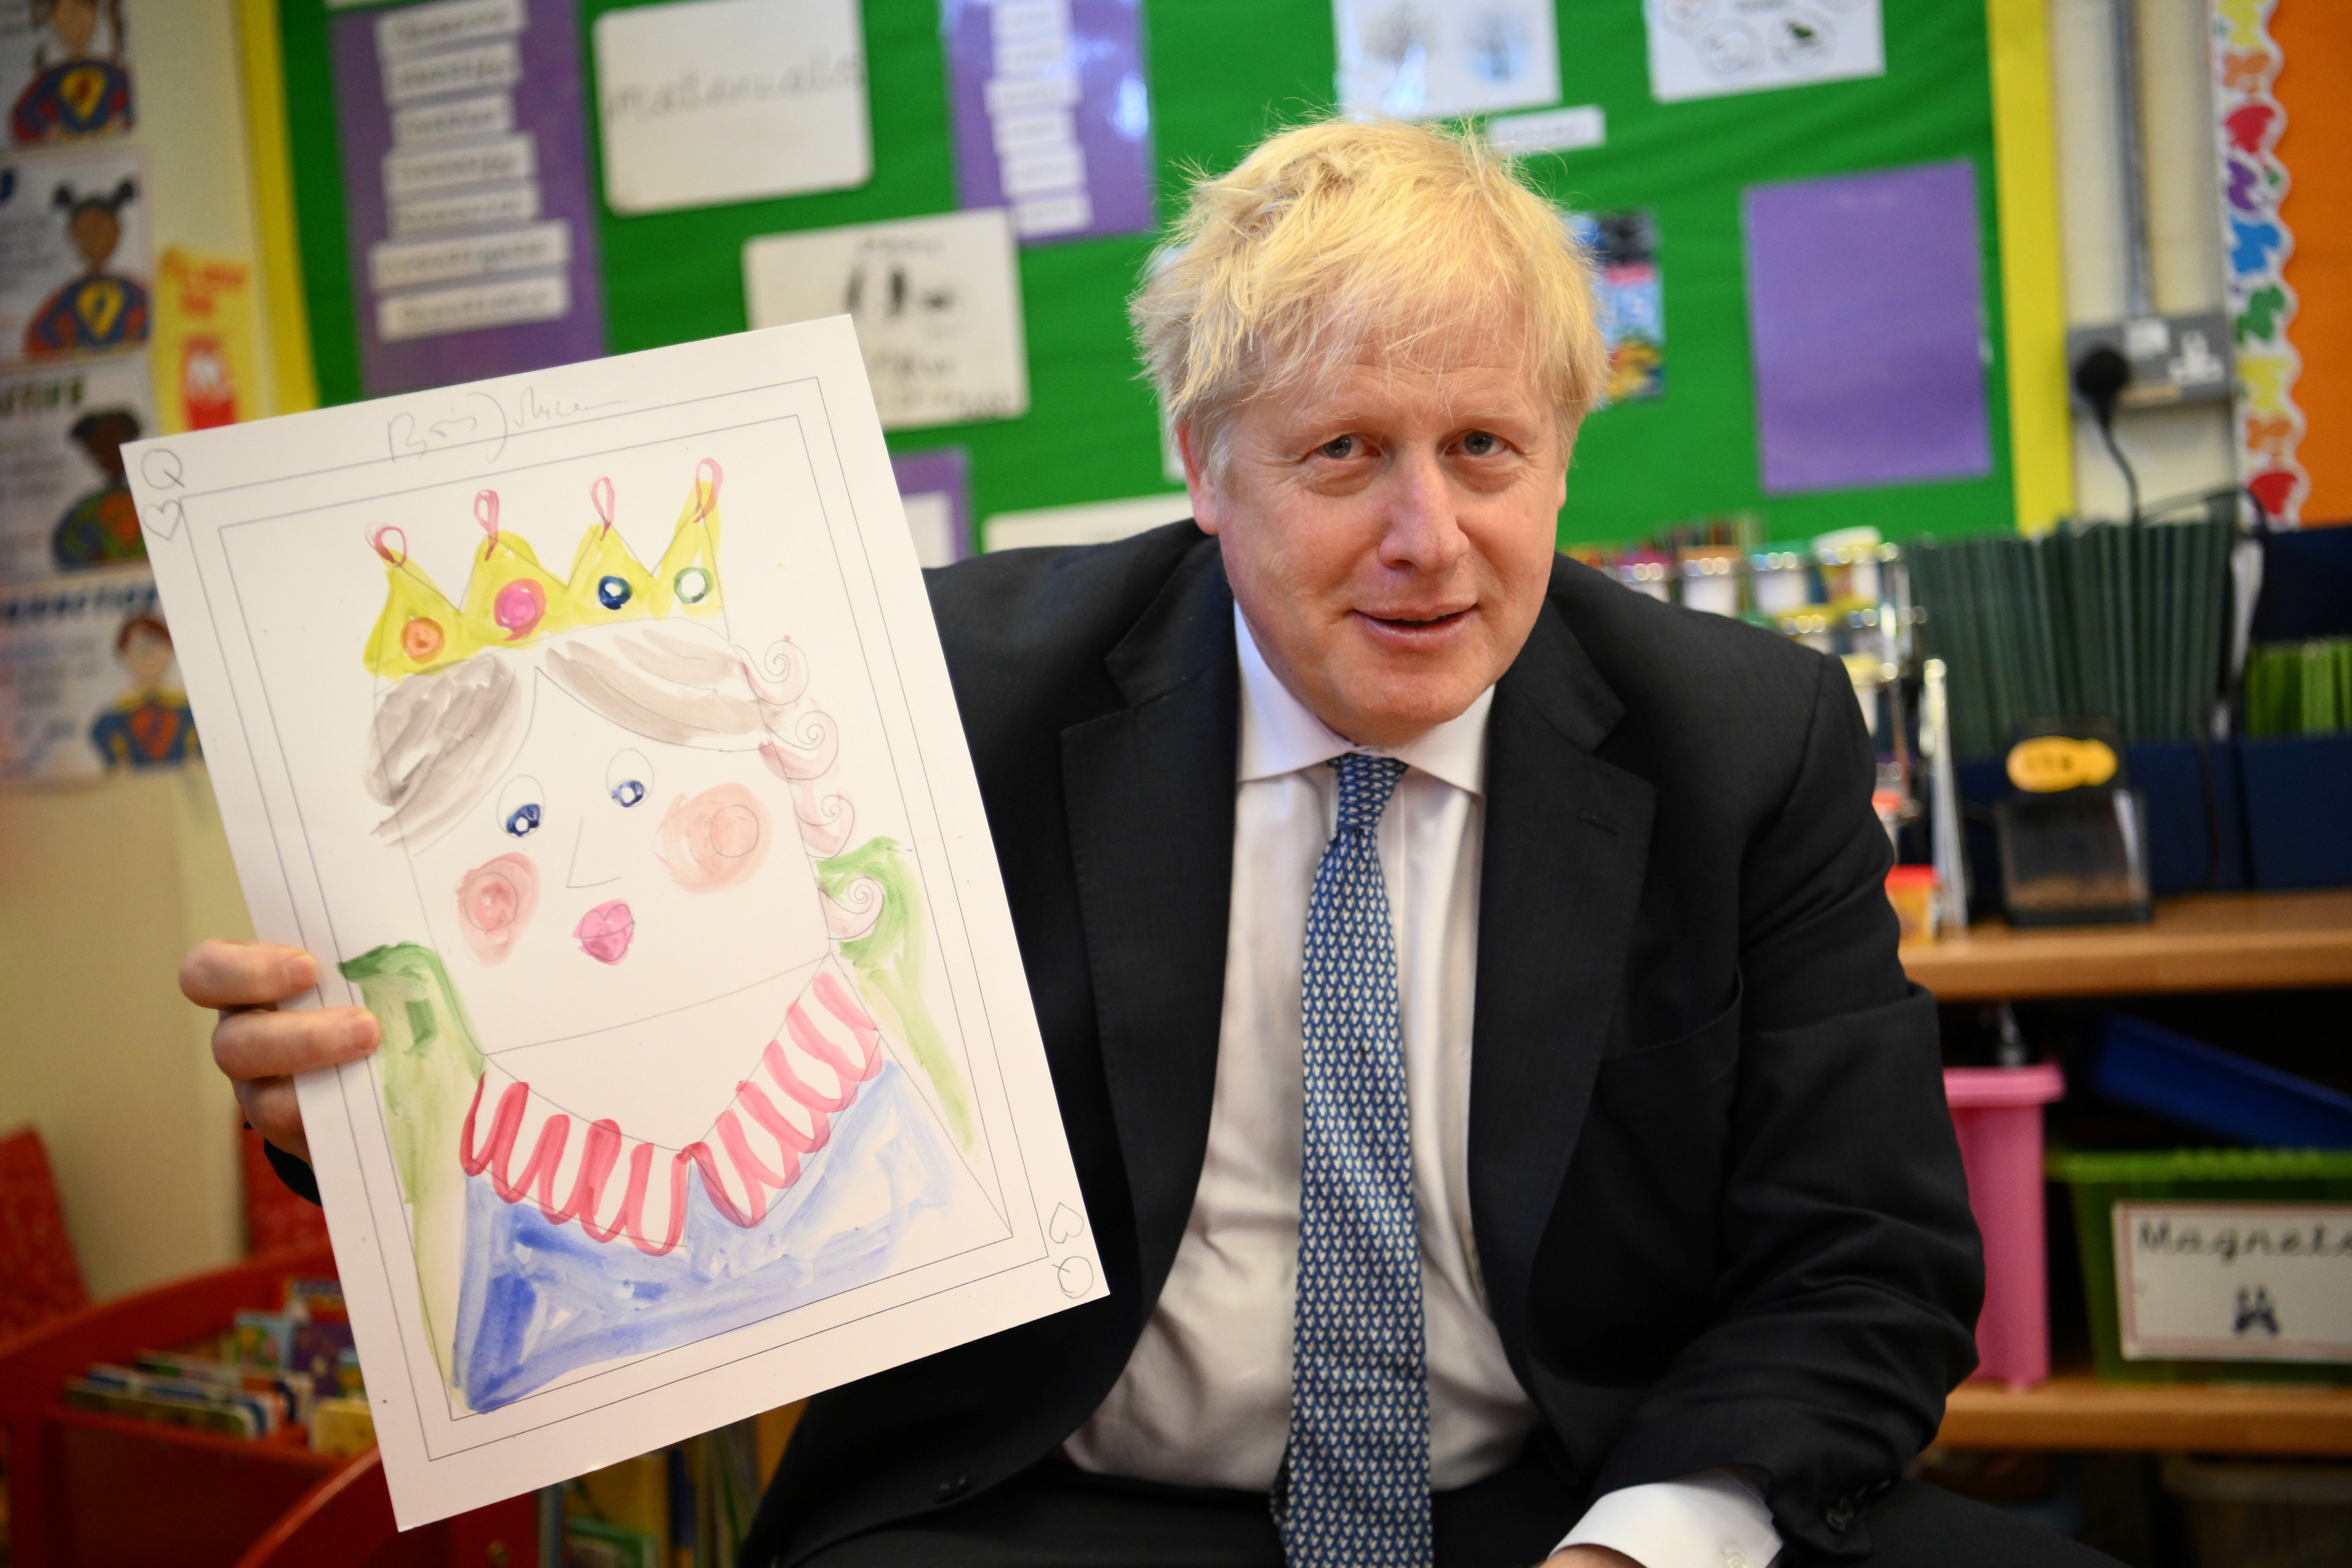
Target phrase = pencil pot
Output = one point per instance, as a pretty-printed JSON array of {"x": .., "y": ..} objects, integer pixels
[
  {"x": 2215, "y": 1264},
  {"x": 1996, "y": 1114},
  {"x": 2298, "y": 798}
]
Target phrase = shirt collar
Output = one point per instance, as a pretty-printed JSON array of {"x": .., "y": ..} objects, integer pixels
[{"x": 1280, "y": 736}]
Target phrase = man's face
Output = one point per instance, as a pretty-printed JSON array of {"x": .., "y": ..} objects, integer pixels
[{"x": 1389, "y": 534}]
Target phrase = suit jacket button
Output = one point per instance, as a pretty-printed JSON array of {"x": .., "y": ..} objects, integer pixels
[{"x": 951, "y": 1490}]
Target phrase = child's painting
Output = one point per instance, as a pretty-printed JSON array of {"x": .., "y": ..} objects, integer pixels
[
  {"x": 74, "y": 236},
  {"x": 66, "y": 67},
  {"x": 595, "y": 725}
]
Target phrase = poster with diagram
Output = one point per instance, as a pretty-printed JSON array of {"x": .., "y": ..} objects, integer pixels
[
  {"x": 593, "y": 728},
  {"x": 936, "y": 302},
  {"x": 1705, "y": 49},
  {"x": 1419, "y": 59}
]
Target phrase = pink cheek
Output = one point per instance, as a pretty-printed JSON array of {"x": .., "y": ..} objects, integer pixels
[
  {"x": 495, "y": 902},
  {"x": 715, "y": 839}
]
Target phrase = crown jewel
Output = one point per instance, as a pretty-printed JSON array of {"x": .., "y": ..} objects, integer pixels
[{"x": 511, "y": 601}]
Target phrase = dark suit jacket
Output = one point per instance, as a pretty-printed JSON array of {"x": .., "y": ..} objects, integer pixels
[{"x": 1714, "y": 1186}]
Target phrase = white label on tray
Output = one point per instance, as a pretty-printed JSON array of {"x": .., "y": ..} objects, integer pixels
[{"x": 2234, "y": 1281}]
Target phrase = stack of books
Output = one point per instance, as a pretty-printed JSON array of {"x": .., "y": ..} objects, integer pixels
[
  {"x": 288, "y": 1375},
  {"x": 2115, "y": 621}
]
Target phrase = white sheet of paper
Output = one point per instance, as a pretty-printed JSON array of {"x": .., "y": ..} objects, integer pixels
[
  {"x": 711, "y": 1078},
  {"x": 937, "y": 302},
  {"x": 1705, "y": 49},
  {"x": 1088, "y": 523},
  {"x": 1415, "y": 59},
  {"x": 731, "y": 100}
]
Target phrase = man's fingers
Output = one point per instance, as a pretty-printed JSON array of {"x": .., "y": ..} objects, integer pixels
[
  {"x": 266, "y": 1044},
  {"x": 246, "y": 973},
  {"x": 270, "y": 1105}
]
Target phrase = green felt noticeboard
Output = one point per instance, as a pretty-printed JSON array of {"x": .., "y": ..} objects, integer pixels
[{"x": 1223, "y": 73}]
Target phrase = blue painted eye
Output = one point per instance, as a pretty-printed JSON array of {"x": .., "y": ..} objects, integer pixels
[
  {"x": 613, "y": 592},
  {"x": 628, "y": 792},
  {"x": 523, "y": 821}
]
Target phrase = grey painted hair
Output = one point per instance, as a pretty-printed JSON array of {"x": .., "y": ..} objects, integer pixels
[{"x": 439, "y": 740}]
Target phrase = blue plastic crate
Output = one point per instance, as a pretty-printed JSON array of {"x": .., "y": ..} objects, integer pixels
[{"x": 2155, "y": 1069}]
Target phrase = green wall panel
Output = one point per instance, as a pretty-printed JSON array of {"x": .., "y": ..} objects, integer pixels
[{"x": 1223, "y": 73}]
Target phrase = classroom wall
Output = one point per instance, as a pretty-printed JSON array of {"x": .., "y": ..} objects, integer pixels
[
  {"x": 2177, "y": 451},
  {"x": 104, "y": 886}
]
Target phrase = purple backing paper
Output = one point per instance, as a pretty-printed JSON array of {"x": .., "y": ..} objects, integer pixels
[
  {"x": 546, "y": 104},
  {"x": 1865, "y": 311},
  {"x": 1113, "y": 112},
  {"x": 940, "y": 469}
]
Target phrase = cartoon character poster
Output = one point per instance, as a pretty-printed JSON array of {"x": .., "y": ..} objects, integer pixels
[
  {"x": 64, "y": 67},
  {"x": 65, "y": 502},
  {"x": 606, "y": 715},
  {"x": 88, "y": 680},
  {"x": 75, "y": 256}
]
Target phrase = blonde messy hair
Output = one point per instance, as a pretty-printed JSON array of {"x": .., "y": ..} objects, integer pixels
[{"x": 1342, "y": 240}]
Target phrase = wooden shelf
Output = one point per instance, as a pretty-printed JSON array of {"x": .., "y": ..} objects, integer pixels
[
  {"x": 2075, "y": 1411},
  {"x": 2213, "y": 942}
]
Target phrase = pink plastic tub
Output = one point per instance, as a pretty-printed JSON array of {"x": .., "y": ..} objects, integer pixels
[{"x": 1998, "y": 1113}]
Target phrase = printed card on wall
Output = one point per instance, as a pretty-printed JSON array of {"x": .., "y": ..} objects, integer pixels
[
  {"x": 466, "y": 181},
  {"x": 74, "y": 256},
  {"x": 64, "y": 501},
  {"x": 88, "y": 683},
  {"x": 731, "y": 100},
  {"x": 207, "y": 347},
  {"x": 65, "y": 67},
  {"x": 1053, "y": 113},
  {"x": 1414, "y": 60},
  {"x": 710, "y": 1076},
  {"x": 1631, "y": 296},
  {"x": 1705, "y": 49},
  {"x": 936, "y": 300}
]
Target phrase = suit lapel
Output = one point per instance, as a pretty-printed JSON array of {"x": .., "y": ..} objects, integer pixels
[
  {"x": 1150, "y": 791},
  {"x": 1566, "y": 840}
]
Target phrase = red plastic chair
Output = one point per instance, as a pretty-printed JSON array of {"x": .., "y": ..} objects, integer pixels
[{"x": 346, "y": 1520}]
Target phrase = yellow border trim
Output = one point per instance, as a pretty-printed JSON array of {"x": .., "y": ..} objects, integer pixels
[
  {"x": 293, "y": 383},
  {"x": 2033, "y": 275}
]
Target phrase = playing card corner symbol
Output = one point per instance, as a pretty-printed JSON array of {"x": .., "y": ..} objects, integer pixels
[
  {"x": 1063, "y": 1225},
  {"x": 1076, "y": 1275}
]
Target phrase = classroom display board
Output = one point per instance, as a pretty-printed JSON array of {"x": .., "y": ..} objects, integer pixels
[{"x": 1672, "y": 182}]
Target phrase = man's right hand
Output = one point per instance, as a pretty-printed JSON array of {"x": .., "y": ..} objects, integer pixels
[{"x": 261, "y": 1048}]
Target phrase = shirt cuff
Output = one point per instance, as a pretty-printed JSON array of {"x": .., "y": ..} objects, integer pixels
[{"x": 1712, "y": 1519}]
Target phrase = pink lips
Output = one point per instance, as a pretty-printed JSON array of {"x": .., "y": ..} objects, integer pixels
[{"x": 604, "y": 931}]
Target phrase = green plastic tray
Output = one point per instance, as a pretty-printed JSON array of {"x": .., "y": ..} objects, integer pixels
[{"x": 2247, "y": 1175}]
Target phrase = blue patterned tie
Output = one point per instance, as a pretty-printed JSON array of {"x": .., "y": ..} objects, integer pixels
[{"x": 1359, "y": 1465}]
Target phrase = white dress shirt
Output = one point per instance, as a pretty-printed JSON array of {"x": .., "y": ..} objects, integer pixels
[{"x": 1205, "y": 1398}]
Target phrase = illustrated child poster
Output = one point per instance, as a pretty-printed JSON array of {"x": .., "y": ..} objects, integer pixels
[
  {"x": 592, "y": 726},
  {"x": 64, "y": 499},
  {"x": 65, "y": 65},
  {"x": 88, "y": 682},
  {"x": 74, "y": 254}
]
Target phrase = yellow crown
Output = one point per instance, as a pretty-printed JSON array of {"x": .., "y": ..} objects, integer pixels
[{"x": 511, "y": 601}]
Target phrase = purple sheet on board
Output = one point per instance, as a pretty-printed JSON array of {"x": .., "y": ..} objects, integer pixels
[
  {"x": 543, "y": 102},
  {"x": 945, "y": 470},
  {"x": 1110, "y": 123},
  {"x": 1865, "y": 311}
]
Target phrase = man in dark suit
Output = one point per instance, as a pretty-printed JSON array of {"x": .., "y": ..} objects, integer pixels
[{"x": 1580, "y": 1183}]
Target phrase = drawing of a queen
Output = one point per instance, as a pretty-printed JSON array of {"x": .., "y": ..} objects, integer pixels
[{"x": 664, "y": 1067}]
